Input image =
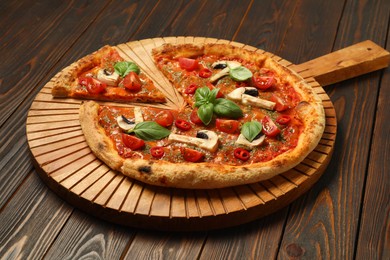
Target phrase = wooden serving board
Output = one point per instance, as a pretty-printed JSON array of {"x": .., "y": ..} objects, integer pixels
[{"x": 67, "y": 165}]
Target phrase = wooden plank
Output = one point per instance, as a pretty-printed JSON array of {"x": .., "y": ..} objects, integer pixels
[
  {"x": 328, "y": 215},
  {"x": 86, "y": 237},
  {"x": 29, "y": 69},
  {"x": 34, "y": 214},
  {"x": 373, "y": 240}
]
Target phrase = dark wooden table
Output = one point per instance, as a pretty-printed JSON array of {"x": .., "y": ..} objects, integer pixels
[{"x": 344, "y": 216}]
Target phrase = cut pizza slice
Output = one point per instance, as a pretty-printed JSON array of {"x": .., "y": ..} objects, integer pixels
[{"x": 104, "y": 75}]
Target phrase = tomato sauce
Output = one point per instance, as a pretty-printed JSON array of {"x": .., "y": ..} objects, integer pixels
[{"x": 186, "y": 82}]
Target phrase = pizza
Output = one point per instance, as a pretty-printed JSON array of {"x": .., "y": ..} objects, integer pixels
[
  {"x": 105, "y": 75},
  {"x": 246, "y": 119}
]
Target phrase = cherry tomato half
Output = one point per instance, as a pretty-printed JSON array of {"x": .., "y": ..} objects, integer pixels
[
  {"x": 132, "y": 142},
  {"x": 263, "y": 82},
  {"x": 188, "y": 64},
  {"x": 205, "y": 73},
  {"x": 164, "y": 118},
  {"x": 191, "y": 89},
  {"x": 227, "y": 126},
  {"x": 241, "y": 154},
  {"x": 157, "y": 152},
  {"x": 182, "y": 124},
  {"x": 283, "y": 119},
  {"x": 280, "y": 104},
  {"x": 132, "y": 82},
  {"x": 191, "y": 155},
  {"x": 269, "y": 127},
  {"x": 195, "y": 118},
  {"x": 93, "y": 86}
]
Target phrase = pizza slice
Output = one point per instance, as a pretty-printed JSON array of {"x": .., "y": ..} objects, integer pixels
[{"x": 104, "y": 75}]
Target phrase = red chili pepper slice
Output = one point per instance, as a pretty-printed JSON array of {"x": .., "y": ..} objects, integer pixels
[
  {"x": 182, "y": 124},
  {"x": 242, "y": 154},
  {"x": 157, "y": 152},
  {"x": 191, "y": 89}
]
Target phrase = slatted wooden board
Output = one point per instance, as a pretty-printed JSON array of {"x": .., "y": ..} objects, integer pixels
[{"x": 67, "y": 165}]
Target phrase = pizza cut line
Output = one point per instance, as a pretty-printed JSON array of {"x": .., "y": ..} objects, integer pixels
[{"x": 247, "y": 119}]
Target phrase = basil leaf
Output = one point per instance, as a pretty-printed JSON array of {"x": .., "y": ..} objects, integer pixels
[
  {"x": 125, "y": 67},
  {"x": 213, "y": 95},
  {"x": 251, "y": 129},
  {"x": 205, "y": 113},
  {"x": 227, "y": 108},
  {"x": 149, "y": 130},
  {"x": 240, "y": 73},
  {"x": 202, "y": 96}
]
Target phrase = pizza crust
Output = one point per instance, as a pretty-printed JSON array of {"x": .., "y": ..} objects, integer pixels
[{"x": 206, "y": 175}]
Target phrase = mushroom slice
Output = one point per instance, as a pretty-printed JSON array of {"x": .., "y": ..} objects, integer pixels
[
  {"x": 243, "y": 141},
  {"x": 128, "y": 124},
  {"x": 210, "y": 144},
  {"x": 255, "y": 101},
  {"x": 110, "y": 78},
  {"x": 225, "y": 71}
]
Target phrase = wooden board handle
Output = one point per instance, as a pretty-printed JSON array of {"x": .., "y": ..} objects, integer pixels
[{"x": 355, "y": 60}]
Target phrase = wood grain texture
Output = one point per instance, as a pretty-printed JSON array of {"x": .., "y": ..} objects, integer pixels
[
  {"x": 373, "y": 236},
  {"x": 323, "y": 224},
  {"x": 68, "y": 166},
  {"x": 34, "y": 214}
]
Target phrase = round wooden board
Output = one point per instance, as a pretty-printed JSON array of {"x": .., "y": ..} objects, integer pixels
[{"x": 67, "y": 165}]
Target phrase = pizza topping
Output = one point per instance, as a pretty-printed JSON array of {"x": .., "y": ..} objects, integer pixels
[
  {"x": 188, "y": 64},
  {"x": 251, "y": 92},
  {"x": 191, "y": 155},
  {"x": 227, "y": 126},
  {"x": 123, "y": 68},
  {"x": 250, "y": 130},
  {"x": 132, "y": 82},
  {"x": 227, "y": 108},
  {"x": 149, "y": 131},
  {"x": 182, "y": 124},
  {"x": 164, "y": 118},
  {"x": 127, "y": 124},
  {"x": 280, "y": 105},
  {"x": 269, "y": 127},
  {"x": 283, "y": 119},
  {"x": 205, "y": 73},
  {"x": 191, "y": 89},
  {"x": 195, "y": 118},
  {"x": 157, "y": 152},
  {"x": 241, "y": 154},
  {"x": 108, "y": 77},
  {"x": 259, "y": 102},
  {"x": 208, "y": 104},
  {"x": 242, "y": 140},
  {"x": 263, "y": 82},
  {"x": 210, "y": 144},
  {"x": 132, "y": 142},
  {"x": 240, "y": 73},
  {"x": 93, "y": 86},
  {"x": 226, "y": 70}
]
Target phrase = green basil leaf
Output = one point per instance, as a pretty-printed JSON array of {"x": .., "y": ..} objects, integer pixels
[
  {"x": 202, "y": 96},
  {"x": 227, "y": 108},
  {"x": 213, "y": 95},
  {"x": 240, "y": 73},
  {"x": 251, "y": 129},
  {"x": 205, "y": 113},
  {"x": 125, "y": 67},
  {"x": 149, "y": 130}
]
